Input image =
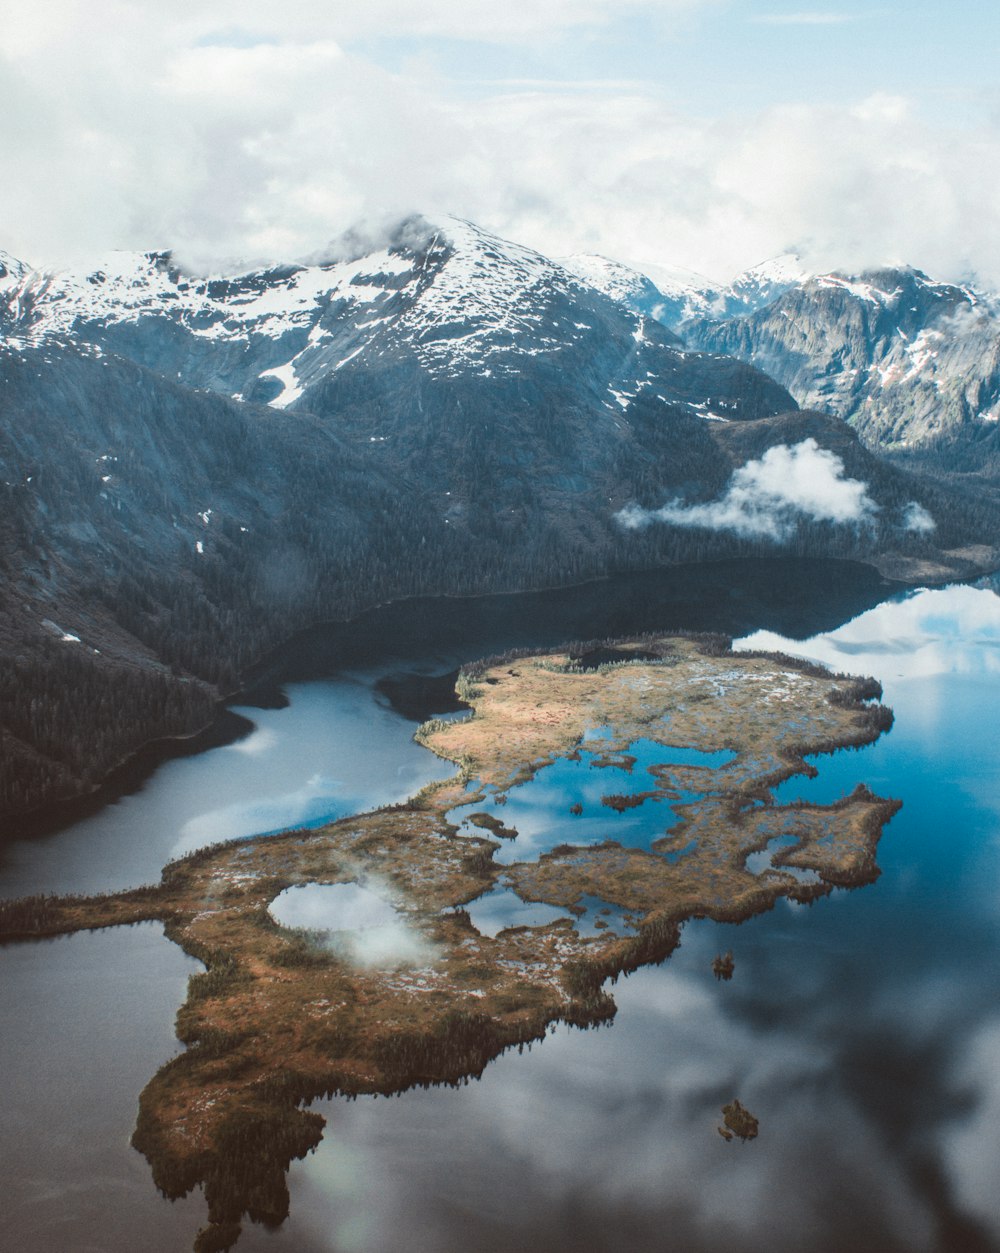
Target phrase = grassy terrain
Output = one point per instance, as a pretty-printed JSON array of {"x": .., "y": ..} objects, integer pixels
[{"x": 281, "y": 1016}]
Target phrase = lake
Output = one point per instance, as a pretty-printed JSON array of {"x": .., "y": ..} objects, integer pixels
[{"x": 863, "y": 1031}]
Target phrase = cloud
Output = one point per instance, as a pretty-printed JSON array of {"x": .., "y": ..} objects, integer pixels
[
  {"x": 359, "y": 923},
  {"x": 768, "y": 497},
  {"x": 916, "y": 518},
  {"x": 261, "y": 131},
  {"x": 247, "y": 23}
]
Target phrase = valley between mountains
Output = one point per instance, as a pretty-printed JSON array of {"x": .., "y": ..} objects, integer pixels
[{"x": 193, "y": 468}]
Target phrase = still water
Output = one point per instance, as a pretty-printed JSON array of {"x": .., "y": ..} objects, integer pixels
[
  {"x": 863, "y": 1031},
  {"x": 540, "y": 809}
]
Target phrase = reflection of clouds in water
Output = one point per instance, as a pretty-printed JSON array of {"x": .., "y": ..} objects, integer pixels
[
  {"x": 673, "y": 1158},
  {"x": 968, "y": 1159},
  {"x": 320, "y": 795},
  {"x": 503, "y": 908},
  {"x": 370, "y": 932},
  {"x": 260, "y": 740},
  {"x": 540, "y": 809},
  {"x": 278, "y": 776},
  {"x": 601, "y": 1140},
  {"x": 951, "y": 630}
]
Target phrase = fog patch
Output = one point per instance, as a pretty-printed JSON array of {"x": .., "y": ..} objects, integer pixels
[
  {"x": 376, "y": 233},
  {"x": 916, "y": 518},
  {"x": 360, "y": 924},
  {"x": 769, "y": 496}
]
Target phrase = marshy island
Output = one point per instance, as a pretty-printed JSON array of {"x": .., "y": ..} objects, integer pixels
[{"x": 603, "y": 794}]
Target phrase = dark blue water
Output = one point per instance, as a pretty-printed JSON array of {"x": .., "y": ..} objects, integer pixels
[{"x": 863, "y": 1031}]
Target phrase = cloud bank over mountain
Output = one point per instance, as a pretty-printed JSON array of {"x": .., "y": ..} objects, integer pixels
[{"x": 240, "y": 130}]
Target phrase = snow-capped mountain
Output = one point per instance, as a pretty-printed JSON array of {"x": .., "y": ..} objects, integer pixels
[
  {"x": 453, "y": 300},
  {"x": 763, "y": 283},
  {"x": 637, "y": 291},
  {"x": 675, "y": 296},
  {"x": 193, "y": 467},
  {"x": 908, "y": 361},
  {"x": 905, "y": 359}
]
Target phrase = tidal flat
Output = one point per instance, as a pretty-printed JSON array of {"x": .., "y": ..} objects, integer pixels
[{"x": 284, "y": 1014}]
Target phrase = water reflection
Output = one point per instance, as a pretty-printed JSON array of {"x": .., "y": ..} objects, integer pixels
[
  {"x": 951, "y": 630},
  {"x": 862, "y": 1031},
  {"x": 331, "y": 751},
  {"x": 85, "y": 1020},
  {"x": 583, "y": 798},
  {"x": 763, "y": 861},
  {"x": 495, "y": 911}
]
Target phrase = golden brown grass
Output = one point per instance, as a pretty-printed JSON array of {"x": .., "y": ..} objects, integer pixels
[{"x": 280, "y": 1017}]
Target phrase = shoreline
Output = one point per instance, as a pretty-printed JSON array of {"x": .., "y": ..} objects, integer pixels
[
  {"x": 129, "y": 773},
  {"x": 278, "y": 1018}
]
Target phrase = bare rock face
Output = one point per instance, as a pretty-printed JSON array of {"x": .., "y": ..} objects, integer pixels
[
  {"x": 905, "y": 360},
  {"x": 912, "y": 364}
]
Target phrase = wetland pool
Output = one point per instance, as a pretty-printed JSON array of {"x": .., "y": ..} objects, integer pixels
[
  {"x": 863, "y": 1031},
  {"x": 543, "y": 811}
]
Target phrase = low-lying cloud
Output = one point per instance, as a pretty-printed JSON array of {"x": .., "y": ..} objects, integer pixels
[
  {"x": 767, "y": 498},
  {"x": 916, "y": 518}
]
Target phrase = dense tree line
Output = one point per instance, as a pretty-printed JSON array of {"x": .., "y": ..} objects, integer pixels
[{"x": 182, "y": 536}]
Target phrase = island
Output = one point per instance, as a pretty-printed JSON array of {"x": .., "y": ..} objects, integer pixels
[{"x": 404, "y": 946}]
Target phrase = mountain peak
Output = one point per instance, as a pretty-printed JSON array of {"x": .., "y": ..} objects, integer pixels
[
  {"x": 11, "y": 270},
  {"x": 780, "y": 272}
]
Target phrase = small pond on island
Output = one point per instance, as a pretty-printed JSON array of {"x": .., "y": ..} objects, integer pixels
[
  {"x": 604, "y": 785},
  {"x": 863, "y": 1031}
]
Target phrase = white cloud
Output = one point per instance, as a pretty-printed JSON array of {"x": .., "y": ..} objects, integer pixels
[
  {"x": 916, "y": 518},
  {"x": 360, "y": 923},
  {"x": 243, "y": 23},
  {"x": 770, "y": 496},
  {"x": 255, "y": 130}
]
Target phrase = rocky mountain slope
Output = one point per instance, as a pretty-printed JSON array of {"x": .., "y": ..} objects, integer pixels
[
  {"x": 912, "y": 364},
  {"x": 903, "y": 358},
  {"x": 191, "y": 468}
]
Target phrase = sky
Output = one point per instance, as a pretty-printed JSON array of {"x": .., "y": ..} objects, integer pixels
[{"x": 703, "y": 134}]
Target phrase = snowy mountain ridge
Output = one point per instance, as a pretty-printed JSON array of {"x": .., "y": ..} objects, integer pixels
[
  {"x": 461, "y": 301},
  {"x": 461, "y": 297},
  {"x": 674, "y": 296},
  {"x": 900, "y": 354}
]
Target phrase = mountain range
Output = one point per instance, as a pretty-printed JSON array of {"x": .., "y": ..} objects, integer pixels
[
  {"x": 192, "y": 467},
  {"x": 913, "y": 365}
]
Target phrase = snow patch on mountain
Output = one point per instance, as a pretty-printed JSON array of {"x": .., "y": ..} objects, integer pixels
[
  {"x": 125, "y": 287},
  {"x": 457, "y": 300},
  {"x": 12, "y": 271},
  {"x": 674, "y": 296}
]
